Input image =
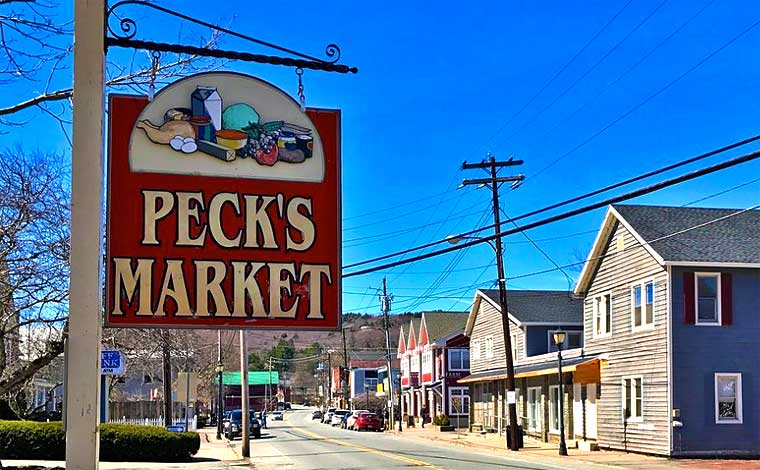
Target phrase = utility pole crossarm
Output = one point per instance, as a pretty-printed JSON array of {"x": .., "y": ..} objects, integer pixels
[
  {"x": 487, "y": 164},
  {"x": 497, "y": 180}
]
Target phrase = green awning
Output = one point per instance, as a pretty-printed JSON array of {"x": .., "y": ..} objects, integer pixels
[{"x": 255, "y": 377}]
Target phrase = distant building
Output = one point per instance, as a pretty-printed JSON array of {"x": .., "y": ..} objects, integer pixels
[{"x": 263, "y": 389}]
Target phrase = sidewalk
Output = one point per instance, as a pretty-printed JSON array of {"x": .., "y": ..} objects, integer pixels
[{"x": 536, "y": 451}]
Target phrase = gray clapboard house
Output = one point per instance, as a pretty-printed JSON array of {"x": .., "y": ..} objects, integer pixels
[
  {"x": 533, "y": 316},
  {"x": 672, "y": 307}
]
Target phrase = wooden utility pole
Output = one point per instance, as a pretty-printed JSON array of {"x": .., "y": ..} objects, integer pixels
[
  {"x": 84, "y": 332},
  {"x": 494, "y": 182},
  {"x": 385, "y": 306}
]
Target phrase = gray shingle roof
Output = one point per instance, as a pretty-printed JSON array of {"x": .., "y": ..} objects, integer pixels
[
  {"x": 442, "y": 324},
  {"x": 733, "y": 238},
  {"x": 541, "y": 306}
]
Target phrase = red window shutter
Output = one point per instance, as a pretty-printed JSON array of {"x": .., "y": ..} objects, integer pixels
[
  {"x": 688, "y": 298},
  {"x": 726, "y": 300}
]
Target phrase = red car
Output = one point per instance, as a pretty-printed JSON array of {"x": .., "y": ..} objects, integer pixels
[{"x": 367, "y": 422}]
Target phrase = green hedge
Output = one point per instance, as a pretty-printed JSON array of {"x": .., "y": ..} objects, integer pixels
[{"x": 28, "y": 440}]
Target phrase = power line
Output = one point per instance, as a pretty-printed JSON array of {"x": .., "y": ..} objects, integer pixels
[
  {"x": 629, "y": 69},
  {"x": 576, "y": 198},
  {"x": 572, "y": 213},
  {"x": 591, "y": 69},
  {"x": 559, "y": 72},
  {"x": 645, "y": 101},
  {"x": 405, "y": 204},
  {"x": 655, "y": 240}
]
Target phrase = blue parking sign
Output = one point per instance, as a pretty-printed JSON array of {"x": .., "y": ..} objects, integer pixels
[{"x": 111, "y": 362}]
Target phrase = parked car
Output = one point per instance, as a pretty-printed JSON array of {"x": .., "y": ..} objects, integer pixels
[
  {"x": 367, "y": 422},
  {"x": 328, "y": 415},
  {"x": 278, "y": 416},
  {"x": 338, "y": 416},
  {"x": 349, "y": 423},
  {"x": 288, "y": 406},
  {"x": 234, "y": 426},
  {"x": 316, "y": 415}
]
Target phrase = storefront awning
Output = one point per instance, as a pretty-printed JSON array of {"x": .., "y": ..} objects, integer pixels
[{"x": 585, "y": 368}]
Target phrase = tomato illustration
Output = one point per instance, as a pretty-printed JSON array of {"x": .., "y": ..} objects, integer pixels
[{"x": 265, "y": 157}]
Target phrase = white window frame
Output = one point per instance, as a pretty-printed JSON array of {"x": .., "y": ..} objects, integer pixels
[
  {"x": 739, "y": 410},
  {"x": 550, "y": 339},
  {"x": 489, "y": 347},
  {"x": 476, "y": 350},
  {"x": 416, "y": 363},
  {"x": 719, "y": 312},
  {"x": 537, "y": 424},
  {"x": 515, "y": 350},
  {"x": 464, "y": 394},
  {"x": 427, "y": 363},
  {"x": 598, "y": 300},
  {"x": 461, "y": 352},
  {"x": 632, "y": 378},
  {"x": 632, "y": 294},
  {"x": 553, "y": 409}
]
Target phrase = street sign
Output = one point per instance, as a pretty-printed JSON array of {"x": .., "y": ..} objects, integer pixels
[
  {"x": 112, "y": 362},
  {"x": 176, "y": 428},
  {"x": 223, "y": 208}
]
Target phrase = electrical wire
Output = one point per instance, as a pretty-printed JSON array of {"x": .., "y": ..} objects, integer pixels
[
  {"x": 559, "y": 72},
  {"x": 581, "y": 197},
  {"x": 644, "y": 102},
  {"x": 612, "y": 200},
  {"x": 626, "y": 72},
  {"x": 590, "y": 69}
]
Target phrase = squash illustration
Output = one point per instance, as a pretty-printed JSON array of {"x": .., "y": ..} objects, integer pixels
[{"x": 168, "y": 130}]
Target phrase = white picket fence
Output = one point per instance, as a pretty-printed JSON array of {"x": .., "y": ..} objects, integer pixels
[{"x": 192, "y": 423}]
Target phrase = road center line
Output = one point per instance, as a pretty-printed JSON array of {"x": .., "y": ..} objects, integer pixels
[{"x": 400, "y": 458}]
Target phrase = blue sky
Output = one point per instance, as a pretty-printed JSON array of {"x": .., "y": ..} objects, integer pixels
[{"x": 437, "y": 86}]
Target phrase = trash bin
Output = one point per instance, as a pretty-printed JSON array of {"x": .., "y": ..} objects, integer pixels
[{"x": 520, "y": 442}]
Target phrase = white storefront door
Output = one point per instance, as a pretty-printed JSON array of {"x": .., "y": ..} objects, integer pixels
[{"x": 590, "y": 405}]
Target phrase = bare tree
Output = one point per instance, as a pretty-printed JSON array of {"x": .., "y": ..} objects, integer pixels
[
  {"x": 34, "y": 254},
  {"x": 36, "y": 42}
]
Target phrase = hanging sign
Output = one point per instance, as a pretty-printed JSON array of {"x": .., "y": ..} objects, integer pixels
[{"x": 223, "y": 208}]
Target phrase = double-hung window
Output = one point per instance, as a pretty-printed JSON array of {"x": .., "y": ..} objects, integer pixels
[
  {"x": 489, "y": 347},
  {"x": 573, "y": 340},
  {"x": 708, "y": 298},
  {"x": 602, "y": 305},
  {"x": 642, "y": 305},
  {"x": 459, "y": 401},
  {"x": 459, "y": 359},
  {"x": 475, "y": 347},
  {"x": 728, "y": 398},
  {"x": 633, "y": 400}
]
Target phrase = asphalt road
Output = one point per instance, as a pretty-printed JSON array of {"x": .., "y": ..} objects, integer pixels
[{"x": 303, "y": 444}]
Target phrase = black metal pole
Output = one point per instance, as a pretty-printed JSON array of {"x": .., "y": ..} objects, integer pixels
[
  {"x": 561, "y": 398},
  {"x": 400, "y": 417},
  {"x": 220, "y": 396},
  {"x": 345, "y": 375}
]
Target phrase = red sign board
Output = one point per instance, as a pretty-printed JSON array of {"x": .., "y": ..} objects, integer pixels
[{"x": 223, "y": 208}]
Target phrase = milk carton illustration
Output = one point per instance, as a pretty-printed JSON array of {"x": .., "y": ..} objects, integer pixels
[{"x": 207, "y": 102}]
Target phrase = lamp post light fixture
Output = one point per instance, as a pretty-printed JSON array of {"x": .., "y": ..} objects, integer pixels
[
  {"x": 220, "y": 404},
  {"x": 559, "y": 340}
]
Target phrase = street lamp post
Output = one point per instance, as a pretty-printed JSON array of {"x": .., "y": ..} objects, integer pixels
[
  {"x": 220, "y": 404},
  {"x": 559, "y": 340}
]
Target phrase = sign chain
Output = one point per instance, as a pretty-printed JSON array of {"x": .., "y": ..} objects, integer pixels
[
  {"x": 154, "y": 63},
  {"x": 301, "y": 96}
]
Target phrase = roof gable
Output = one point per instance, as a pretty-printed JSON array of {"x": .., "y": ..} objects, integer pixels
[
  {"x": 423, "y": 335},
  {"x": 442, "y": 324},
  {"x": 401, "y": 342},
  {"x": 680, "y": 236},
  {"x": 411, "y": 344}
]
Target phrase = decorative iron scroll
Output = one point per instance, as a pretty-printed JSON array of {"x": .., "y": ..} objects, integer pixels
[{"x": 124, "y": 34}]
